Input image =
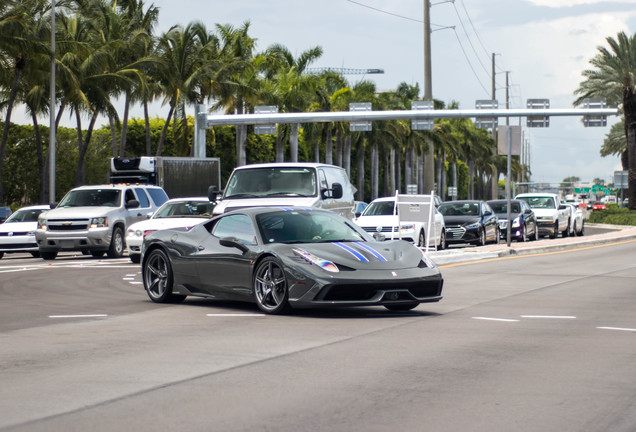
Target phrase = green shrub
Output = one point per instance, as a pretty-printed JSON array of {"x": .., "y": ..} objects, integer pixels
[{"x": 613, "y": 216}]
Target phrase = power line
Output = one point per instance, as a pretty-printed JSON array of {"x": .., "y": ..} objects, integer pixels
[{"x": 384, "y": 12}]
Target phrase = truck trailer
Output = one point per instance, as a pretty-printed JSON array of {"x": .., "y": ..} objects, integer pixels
[{"x": 179, "y": 176}]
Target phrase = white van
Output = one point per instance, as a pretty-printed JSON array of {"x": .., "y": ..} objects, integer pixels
[{"x": 287, "y": 184}]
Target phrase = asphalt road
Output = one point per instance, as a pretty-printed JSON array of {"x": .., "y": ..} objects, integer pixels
[{"x": 527, "y": 343}]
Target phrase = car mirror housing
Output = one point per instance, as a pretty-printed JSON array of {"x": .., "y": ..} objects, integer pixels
[
  {"x": 213, "y": 192},
  {"x": 233, "y": 243},
  {"x": 132, "y": 204},
  {"x": 335, "y": 192}
]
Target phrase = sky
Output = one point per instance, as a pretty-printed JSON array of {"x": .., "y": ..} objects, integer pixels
[{"x": 544, "y": 45}]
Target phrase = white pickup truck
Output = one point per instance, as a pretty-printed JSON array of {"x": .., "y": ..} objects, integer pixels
[{"x": 553, "y": 217}]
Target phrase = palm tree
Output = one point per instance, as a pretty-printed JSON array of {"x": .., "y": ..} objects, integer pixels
[{"x": 612, "y": 77}]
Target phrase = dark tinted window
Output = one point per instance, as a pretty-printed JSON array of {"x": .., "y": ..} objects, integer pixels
[
  {"x": 158, "y": 196},
  {"x": 237, "y": 226},
  {"x": 142, "y": 198}
]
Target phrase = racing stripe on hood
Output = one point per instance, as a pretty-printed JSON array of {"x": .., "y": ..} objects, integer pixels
[
  {"x": 352, "y": 251},
  {"x": 372, "y": 251}
]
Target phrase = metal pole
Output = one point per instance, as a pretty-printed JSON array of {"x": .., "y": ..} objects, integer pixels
[
  {"x": 508, "y": 170},
  {"x": 429, "y": 159},
  {"x": 52, "y": 111}
]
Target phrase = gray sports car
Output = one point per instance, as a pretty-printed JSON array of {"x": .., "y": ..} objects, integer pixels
[{"x": 286, "y": 257}]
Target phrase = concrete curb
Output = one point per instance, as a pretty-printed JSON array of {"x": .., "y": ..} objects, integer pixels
[{"x": 470, "y": 254}]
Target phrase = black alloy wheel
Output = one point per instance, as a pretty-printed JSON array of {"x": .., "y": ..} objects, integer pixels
[
  {"x": 157, "y": 277},
  {"x": 270, "y": 287}
]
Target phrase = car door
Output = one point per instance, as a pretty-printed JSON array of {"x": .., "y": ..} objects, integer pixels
[
  {"x": 490, "y": 221},
  {"x": 225, "y": 271}
]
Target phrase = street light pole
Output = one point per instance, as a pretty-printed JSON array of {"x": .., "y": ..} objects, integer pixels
[
  {"x": 429, "y": 159},
  {"x": 52, "y": 111}
]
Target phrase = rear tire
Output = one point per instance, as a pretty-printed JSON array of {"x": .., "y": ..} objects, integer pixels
[
  {"x": 524, "y": 234},
  {"x": 49, "y": 256},
  {"x": 421, "y": 239},
  {"x": 97, "y": 254},
  {"x": 442, "y": 241},
  {"x": 158, "y": 279}
]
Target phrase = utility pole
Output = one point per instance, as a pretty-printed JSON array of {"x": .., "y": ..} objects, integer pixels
[
  {"x": 429, "y": 159},
  {"x": 52, "y": 111},
  {"x": 495, "y": 175}
]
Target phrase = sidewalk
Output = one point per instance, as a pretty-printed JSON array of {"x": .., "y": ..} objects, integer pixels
[{"x": 456, "y": 254}]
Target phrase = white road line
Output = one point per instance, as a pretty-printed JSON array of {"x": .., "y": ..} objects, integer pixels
[
  {"x": 136, "y": 283},
  {"x": 79, "y": 316},
  {"x": 16, "y": 270},
  {"x": 549, "y": 316},
  {"x": 128, "y": 278},
  {"x": 235, "y": 315},
  {"x": 617, "y": 328},
  {"x": 496, "y": 319}
]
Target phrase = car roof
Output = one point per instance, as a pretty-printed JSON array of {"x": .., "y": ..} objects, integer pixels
[
  {"x": 116, "y": 186},
  {"x": 35, "y": 207},
  {"x": 200, "y": 198},
  {"x": 286, "y": 165},
  {"x": 538, "y": 194}
]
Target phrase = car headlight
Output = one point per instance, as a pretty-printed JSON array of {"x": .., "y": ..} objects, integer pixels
[
  {"x": 135, "y": 233},
  {"x": 516, "y": 223},
  {"x": 99, "y": 222},
  {"x": 472, "y": 226},
  {"x": 320, "y": 262},
  {"x": 41, "y": 223},
  {"x": 407, "y": 227}
]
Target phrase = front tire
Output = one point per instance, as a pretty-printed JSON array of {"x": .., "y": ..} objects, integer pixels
[
  {"x": 135, "y": 258},
  {"x": 524, "y": 234},
  {"x": 270, "y": 287},
  {"x": 421, "y": 239},
  {"x": 48, "y": 256},
  {"x": 442, "y": 241},
  {"x": 117, "y": 245},
  {"x": 158, "y": 279},
  {"x": 97, "y": 254}
]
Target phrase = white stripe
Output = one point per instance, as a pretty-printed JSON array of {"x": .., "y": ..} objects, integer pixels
[
  {"x": 496, "y": 319},
  {"x": 549, "y": 316},
  {"x": 128, "y": 278},
  {"x": 617, "y": 328},
  {"x": 136, "y": 283},
  {"x": 79, "y": 316}
]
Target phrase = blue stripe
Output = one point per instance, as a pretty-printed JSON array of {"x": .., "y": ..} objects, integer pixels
[
  {"x": 352, "y": 251},
  {"x": 373, "y": 252}
]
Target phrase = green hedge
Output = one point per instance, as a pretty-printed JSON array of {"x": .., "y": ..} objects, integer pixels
[{"x": 613, "y": 216}]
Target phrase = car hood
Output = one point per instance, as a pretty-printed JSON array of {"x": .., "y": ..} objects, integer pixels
[
  {"x": 359, "y": 255},
  {"x": 18, "y": 227},
  {"x": 78, "y": 212},
  {"x": 461, "y": 220},
  {"x": 544, "y": 212},
  {"x": 165, "y": 223},
  {"x": 230, "y": 204}
]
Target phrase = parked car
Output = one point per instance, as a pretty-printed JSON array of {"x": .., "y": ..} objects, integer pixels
[
  {"x": 5, "y": 212},
  {"x": 552, "y": 216},
  {"x": 17, "y": 233},
  {"x": 577, "y": 221},
  {"x": 178, "y": 212},
  {"x": 286, "y": 257},
  {"x": 524, "y": 221},
  {"x": 469, "y": 221},
  {"x": 598, "y": 205},
  {"x": 380, "y": 216}
]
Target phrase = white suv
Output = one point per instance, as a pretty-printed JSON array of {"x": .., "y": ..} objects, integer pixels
[{"x": 94, "y": 219}]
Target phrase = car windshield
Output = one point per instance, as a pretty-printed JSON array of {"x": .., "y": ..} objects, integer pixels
[
  {"x": 202, "y": 209},
  {"x": 502, "y": 207},
  {"x": 379, "y": 208},
  {"x": 24, "y": 216},
  {"x": 306, "y": 227},
  {"x": 539, "y": 202},
  {"x": 272, "y": 181},
  {"x": 459, "y": 209},
  {"x": 91, "y": 197}
]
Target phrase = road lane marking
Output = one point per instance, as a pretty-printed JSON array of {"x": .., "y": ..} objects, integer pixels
[
  {"x": 496, "y": 319},
  {"x": 79, "y": 316},
  {"x": 530, "y": 255},
  {"x": 617, "y": 328},
  {"x": 549, "y": 316}
]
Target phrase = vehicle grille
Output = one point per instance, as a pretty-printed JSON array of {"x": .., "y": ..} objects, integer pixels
[
  {"x": 419, "y": 289},
  {"x": 503, "y": 224},
  {"x": 384, "y": 229},
  {"x": 68, "y": 225},
  {"x": 455, "y": 232}
]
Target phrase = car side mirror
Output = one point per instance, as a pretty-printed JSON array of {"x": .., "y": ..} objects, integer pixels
[
  {"x": 233, "y": 243},
  {"x": 213, "y": 192},
  {"x": 132, "y": 204},
  {"x": 487, "y": 213},
  {"x": 335, "y": 192}
]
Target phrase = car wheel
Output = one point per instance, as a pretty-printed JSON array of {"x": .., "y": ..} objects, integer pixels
[
  {"x": 97, "y": 254},
  {"x": 270, "y": 286},
  {"x": 157, "y": 278},
  {"x": 402, "y": 307},
  {"x": 536, "y": 232},
  {"x": 497, "y": 236},
  {"x": 48, "y": 255},
  {"x": 482, "y": 238},
  {"x": 1, "y": 255},
  {"x": 582, "y": 232},
  {"x": 421, "y": 239},
  {"x": 555, "y": 232},
  {"x": 574, "y": 230},
  {"x": 116, "y": 249},
  {"x": 566, "y": 231},
  {"x": 524, "y": 234},
  {"x": 136, "y": 258},
  {"x": 442, "y": 241},
  {"x": 33, "y": 254}
]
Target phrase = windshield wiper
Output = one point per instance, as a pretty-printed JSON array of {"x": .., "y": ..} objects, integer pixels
[{"x": 242, "y": 195}]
